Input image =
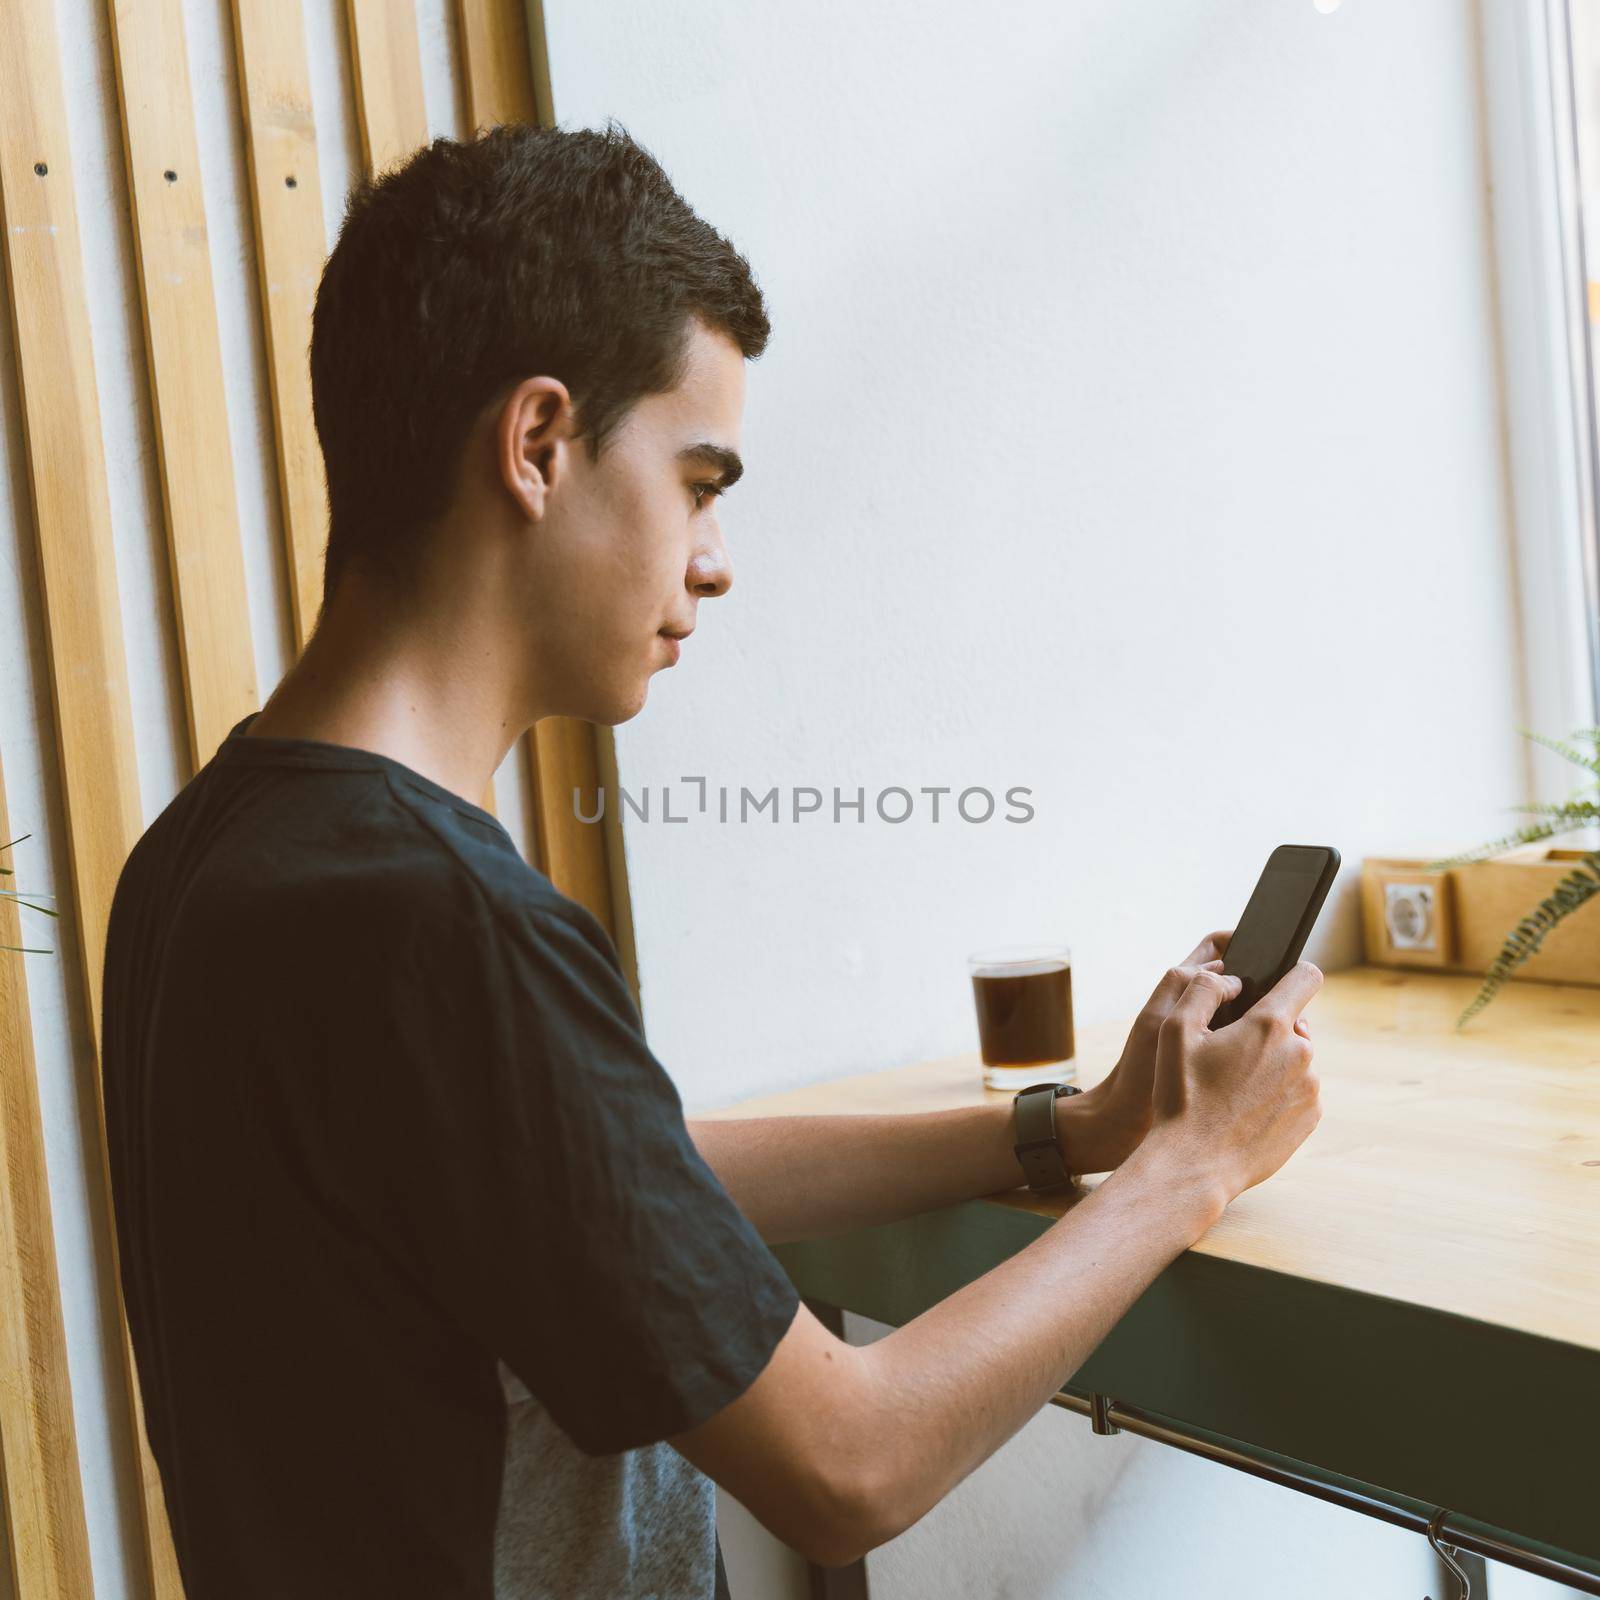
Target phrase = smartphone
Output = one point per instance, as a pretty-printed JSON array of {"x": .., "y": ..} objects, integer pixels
[{"x": 1277, "y": 922}]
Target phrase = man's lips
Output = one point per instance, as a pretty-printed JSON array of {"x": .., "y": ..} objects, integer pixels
[{"x": 675, "y": 641}]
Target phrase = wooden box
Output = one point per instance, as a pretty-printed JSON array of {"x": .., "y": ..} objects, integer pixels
[{"x": 1457, "y": 920}]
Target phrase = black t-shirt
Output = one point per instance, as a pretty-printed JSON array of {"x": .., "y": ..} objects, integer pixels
[{"x": 382, "y": 1117}]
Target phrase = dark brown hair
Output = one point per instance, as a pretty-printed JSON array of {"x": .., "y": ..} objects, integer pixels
[{"x": 475, "y": 265}]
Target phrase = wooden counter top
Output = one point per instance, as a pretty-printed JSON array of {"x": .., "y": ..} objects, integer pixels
[
  {"x": 1458, "y": 1171},
  {"x": 1411, "y": 1304}
]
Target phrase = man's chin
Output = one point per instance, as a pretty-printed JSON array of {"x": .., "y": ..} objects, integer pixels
[
  {"x": 604, "y": 703},
  {"x": 609, "y": 710}
]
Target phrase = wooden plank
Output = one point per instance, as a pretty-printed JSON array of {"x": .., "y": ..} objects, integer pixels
[
  {"x": 508, "y": 80},
  {"x": 77, "y": 571},
  {"x": 503, "y": 73},
  {"x": 572, "y": 854},
  {"x": 187, "y": 396},
  {"x": 544, "y": 99},
  {"x": 72, "y": 514},
  {"x": 388, "y": 78},
  {"x": 291, "y": 245},
  {"x": 48, "y": 1534}
]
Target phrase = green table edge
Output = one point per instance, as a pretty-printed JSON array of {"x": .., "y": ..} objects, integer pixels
[{"x": 1426, "y": 1407}]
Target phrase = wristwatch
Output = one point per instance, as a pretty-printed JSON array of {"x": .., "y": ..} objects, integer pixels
[{"x": 1036, "y": 1144}]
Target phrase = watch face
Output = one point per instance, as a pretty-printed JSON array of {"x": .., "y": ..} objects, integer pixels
[{"x": 1055, "y": 1089}]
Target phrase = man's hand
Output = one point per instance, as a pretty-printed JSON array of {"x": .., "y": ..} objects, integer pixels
[
  {"x": 1122, "y": 1103},
  {"x": 1123, "y": 1097},
  {"x": 1236, "y": 1102}
]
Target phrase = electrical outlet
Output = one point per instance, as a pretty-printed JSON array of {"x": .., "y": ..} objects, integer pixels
[
  {"x": 1407, "y": 914},
  {"x": 1410, "y": 916}
]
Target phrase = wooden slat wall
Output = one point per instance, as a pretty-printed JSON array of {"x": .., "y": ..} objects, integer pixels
[
  {"x": 72, "y": 520},
  {"x": 508, "y": 80},
  {"x": 388, "y": 80},
  {"x": 48, "y": 1536},
  {"x": 184, "y": 357},
  {"x": 72, "y": 513},
  {"x": 507, "y": 75},
  {"x": 286, "y": 199},
  {"x": 189, "y": 407}
]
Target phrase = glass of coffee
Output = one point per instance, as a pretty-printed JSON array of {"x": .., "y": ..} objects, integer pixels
[{"x": 1024, "y": 1000}]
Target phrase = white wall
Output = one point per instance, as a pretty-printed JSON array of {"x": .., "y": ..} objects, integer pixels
[{"x": 1130, "y": 431}]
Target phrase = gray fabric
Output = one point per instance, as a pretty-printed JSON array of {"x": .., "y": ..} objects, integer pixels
[{"x": 640, "y": 1525}]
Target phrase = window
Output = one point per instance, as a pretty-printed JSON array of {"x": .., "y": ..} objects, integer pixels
[
  {"x": 1575, "y": 69},
  {"x": 1541, "y": 81}
]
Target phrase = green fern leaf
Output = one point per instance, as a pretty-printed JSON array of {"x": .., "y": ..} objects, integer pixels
[
  {"x": 1575, "y": 889},
  {"x": 1580, "y": 812},
  {"x": 22, "y": 899},
  {"x": 1561, "y": 748},
  {"x": 1532, "y": 834}
]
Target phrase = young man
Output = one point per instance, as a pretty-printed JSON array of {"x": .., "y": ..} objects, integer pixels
[{"x": 432, "y": 1290}]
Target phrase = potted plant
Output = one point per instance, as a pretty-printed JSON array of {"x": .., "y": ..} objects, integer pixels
[{"x": 1581, "y": 810}]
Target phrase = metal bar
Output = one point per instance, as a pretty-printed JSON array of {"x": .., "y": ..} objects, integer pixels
[
  {"x": 1476, "y": 1570},
  {"x": 1110, "y": 1415}
]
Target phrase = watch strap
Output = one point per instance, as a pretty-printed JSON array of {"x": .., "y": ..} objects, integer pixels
[{"x": 1037, "y": 1149}]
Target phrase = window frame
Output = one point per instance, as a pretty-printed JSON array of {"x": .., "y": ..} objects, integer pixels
[{"x": 1550, "y": 444}]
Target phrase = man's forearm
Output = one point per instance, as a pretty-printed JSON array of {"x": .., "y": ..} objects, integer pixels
[
  {"x": 996, "y": 1351},
  {"x": 838, "y": 1448},
  {"x": 799, "y": 1177}
]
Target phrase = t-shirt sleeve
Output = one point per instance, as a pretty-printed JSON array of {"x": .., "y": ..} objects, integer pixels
[{"x": 544, "y": 1188}]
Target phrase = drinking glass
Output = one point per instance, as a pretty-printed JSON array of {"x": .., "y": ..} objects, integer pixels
[{"x": 1023, "y": 995}]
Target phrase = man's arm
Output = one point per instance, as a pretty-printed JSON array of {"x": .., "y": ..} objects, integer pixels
[
  {"x": 837, "y": 1449},
  {"x": 797, "y": 1177}
]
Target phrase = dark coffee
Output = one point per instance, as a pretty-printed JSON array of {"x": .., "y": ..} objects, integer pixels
[{"x": 1025, "y": 1013}]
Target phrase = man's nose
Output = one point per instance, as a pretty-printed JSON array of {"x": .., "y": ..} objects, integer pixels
[{"x": 710, "y": 571}]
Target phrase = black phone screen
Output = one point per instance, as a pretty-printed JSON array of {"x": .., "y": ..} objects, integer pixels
[{"x": 1276, "y": 922}]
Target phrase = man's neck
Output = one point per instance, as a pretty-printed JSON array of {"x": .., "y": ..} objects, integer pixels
[{"x": 424, "y": 691}]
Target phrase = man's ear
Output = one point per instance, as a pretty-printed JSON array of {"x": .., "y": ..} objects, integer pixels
[{"x": 531, "y": 438}]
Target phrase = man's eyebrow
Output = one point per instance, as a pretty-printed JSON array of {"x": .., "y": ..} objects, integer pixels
[{"x": 724, "y": 460}]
